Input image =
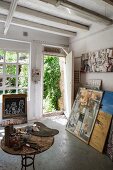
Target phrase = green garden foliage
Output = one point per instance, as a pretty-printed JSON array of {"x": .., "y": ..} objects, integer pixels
[
  {"x": 23, "y": 79},
  {"x": 2, "y": 52},
  {"x": 51, "y": 83}
]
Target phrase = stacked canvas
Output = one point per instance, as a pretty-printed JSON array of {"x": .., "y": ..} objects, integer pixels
[
  {"x": 90, "y": 123},
  {"x": 107, "y": 106},
  {"x": 107, "y": 102},
  {"x": 100, "y": 131},
  {"x": 84, "y": 112},
  {"x": 109, "y": 144},
  {"x": 94, "y": 84}
]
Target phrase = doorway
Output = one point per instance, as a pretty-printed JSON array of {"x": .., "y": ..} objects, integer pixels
[{"x": 53, "y": 85}]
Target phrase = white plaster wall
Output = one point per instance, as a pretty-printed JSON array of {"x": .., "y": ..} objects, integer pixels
[
  {"x": 36, "y": 89},
  {"x": 96, "y": 41},
  {"x": 16, "y": 33},
  {"x": 14, "y": 45}
]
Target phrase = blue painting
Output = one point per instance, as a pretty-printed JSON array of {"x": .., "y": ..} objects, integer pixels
[{"x": 107, "y": 102}]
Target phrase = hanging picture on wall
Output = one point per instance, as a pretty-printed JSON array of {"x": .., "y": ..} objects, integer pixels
[
  {"x": 99, "y": 61},
  {"x": 84, "y": 112}
]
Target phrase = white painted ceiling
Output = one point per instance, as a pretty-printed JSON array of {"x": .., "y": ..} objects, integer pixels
[{"x": 26, "y": 13}]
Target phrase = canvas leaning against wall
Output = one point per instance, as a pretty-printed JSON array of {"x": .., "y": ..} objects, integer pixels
[
  {"x": 84, "y": 112},
  {"x": 99, "y": 61}
]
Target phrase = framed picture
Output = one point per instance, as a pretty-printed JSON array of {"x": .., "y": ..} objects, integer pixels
[
  {"x": 94, "y": 84},
  {"x": 98, "y": 61},
  {"x": 14, "y": 106},
  {"x": 84, "y": 113}
]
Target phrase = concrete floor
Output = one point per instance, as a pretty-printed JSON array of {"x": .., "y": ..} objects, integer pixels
[
  {"x": 67, "y": 153},
  {"x": 70, "y": 153}
]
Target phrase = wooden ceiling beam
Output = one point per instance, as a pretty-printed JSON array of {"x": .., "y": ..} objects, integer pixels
[
  {"x": 42, "y": 18},
  {"x": 28, "y": 12},
  {"x": 81, "y": 11},
  {"x": 109, "y": 2},
  {"x": 10, "y": 15},
  {"x": 38, "y": 27}
]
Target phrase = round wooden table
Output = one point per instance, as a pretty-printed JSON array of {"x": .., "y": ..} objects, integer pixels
[{"x": 43, "y": 143}]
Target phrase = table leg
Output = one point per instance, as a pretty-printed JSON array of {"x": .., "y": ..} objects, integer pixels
[
  {"x": 33, "y": 162},
  {"x": 24, "y": 162}
]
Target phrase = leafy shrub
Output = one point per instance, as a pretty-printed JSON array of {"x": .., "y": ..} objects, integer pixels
[{"x": 51, "y": 83}]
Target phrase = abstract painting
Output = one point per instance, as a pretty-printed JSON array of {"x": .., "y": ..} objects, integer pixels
[
  {"x": 99, "y": 61},
  {"x": 100, "y": 131},
  {"x": 84, "y": 112}
]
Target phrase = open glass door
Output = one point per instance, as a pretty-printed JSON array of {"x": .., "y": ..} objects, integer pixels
[{"x": 68, "y": 84}]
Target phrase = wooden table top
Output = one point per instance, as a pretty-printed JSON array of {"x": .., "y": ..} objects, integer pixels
[{"x": 44, "y": 144}]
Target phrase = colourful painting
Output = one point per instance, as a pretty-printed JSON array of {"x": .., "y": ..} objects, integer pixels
[
  {"x": 84, "y": 112},
  {"x": 100, "y": 131},
  {"x": 99, "y": 61}
]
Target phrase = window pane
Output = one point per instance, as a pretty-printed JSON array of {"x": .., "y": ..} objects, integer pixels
[
  {"x": 1, "y": 81},
  {"x": 11, "y": 57},
  {"x": 1, "y": 92},
  {"x": 2, "y": 53},
  {"x": 23, "y": 81},
  {"x": 22, "y": 91},
  {"x": 23, "y": 58},
  {"x": 10, "y": 82},
  {"x": 10, "y": 69},
  {"x": 23, "y": 76},
  {"x": 1, "y": 68},
  {"x": 23, "y": 70},
  {"x": 10, "y": 91}
]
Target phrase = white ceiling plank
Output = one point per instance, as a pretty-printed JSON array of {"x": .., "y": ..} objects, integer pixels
[
  {"x": 10, "y": 15},
  {"x": 81, "y": 11},
  {"x": 53, "y": 2},
  {"x": 42, "y": 18},
  {"x": 39, "y": 27},
  {"x": 3, "y": 18},
  {"x": 4, "y": 9}
]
